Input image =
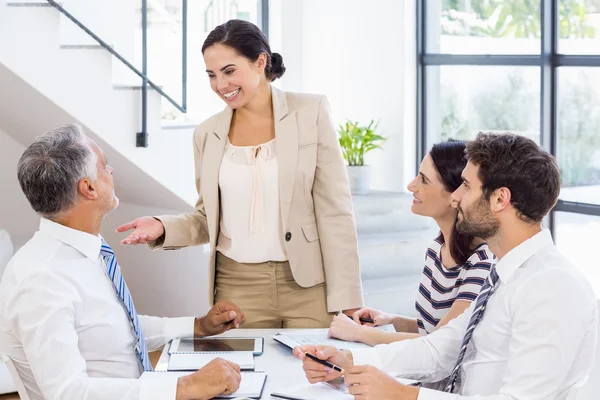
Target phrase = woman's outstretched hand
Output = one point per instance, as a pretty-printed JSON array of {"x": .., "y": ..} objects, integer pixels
[{"x": 146, "y": 229}]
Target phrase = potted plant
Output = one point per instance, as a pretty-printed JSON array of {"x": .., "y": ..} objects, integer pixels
[{"x": 356, "y": 141}]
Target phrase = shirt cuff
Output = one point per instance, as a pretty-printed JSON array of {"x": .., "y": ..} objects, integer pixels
[
  {"x": 179, "y": 327},
  {"x": 158, "y": 386},
  {"x": 430, "y": 394},
  {"x": 366, "y": 357}
]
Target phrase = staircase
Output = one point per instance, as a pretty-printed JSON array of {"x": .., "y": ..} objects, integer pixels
[
  {"x": 56, "y": 78},
  {"x": 52, "y": 74}
]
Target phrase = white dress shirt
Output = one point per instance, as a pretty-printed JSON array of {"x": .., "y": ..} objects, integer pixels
[
  {"x": 64, "y": 327},
  {"x": 251, "y": 230},
  {"x": 536, "y": 340}
]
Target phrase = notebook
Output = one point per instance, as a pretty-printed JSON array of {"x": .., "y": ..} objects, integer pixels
[
  {"x": 251, "y": 386},
  {"x": 335, "y": 390},
  {"x": 195, "y": 361},
  {"x": 293, "y": 338}
]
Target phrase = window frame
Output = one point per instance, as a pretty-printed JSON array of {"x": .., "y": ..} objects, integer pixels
[
  {"x": 549, "y": 61},
  {"x": 263, "y": 14}
]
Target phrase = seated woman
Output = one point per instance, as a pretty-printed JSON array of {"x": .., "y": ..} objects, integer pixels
[{"x": 456, "y": 265}]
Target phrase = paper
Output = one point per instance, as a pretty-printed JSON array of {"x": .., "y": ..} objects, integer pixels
[
  {"x": 334, "y": 390},
  {"x": 313, "y": 392},
  {"x": 251, "y": 385},
  {"x": 194, "y": 361},
  {"x": 293, "y": 338}
]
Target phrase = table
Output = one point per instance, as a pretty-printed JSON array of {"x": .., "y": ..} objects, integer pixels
[{"x": 277, "y": 361}]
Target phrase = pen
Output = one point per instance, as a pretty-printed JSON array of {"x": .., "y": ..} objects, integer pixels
[
  {"x": 363, "y": 320},
  {"x": 325, "y": 363}
]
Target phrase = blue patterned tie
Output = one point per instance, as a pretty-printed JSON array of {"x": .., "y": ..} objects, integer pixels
[
  {"x": 484, "y": 295},
  {"x": 114, "y": 273}
]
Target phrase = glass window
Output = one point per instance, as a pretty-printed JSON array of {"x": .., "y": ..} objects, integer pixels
[
  {"x": 578, "y": 125},
  {"x": 483, "y": 26},
  {"x": 579, "y": 27},
  {"x": 464, "y": 100},
  {"x": 575, "y": 235}
]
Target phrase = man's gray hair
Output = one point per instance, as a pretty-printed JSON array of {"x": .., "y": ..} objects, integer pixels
[{"x": 51, "y": 167}]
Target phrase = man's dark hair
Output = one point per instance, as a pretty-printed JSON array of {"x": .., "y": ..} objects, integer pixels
[{"x": 519, "y": 164}]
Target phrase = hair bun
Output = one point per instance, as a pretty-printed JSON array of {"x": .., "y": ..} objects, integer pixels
[{"x": 277, "y": 67}]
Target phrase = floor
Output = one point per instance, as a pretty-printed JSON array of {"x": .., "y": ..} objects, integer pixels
[{"x": 154, "y": 356}]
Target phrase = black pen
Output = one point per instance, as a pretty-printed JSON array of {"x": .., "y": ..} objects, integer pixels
[
  {"x": 325, "y": 363},
  {"x": 363, "y": 320}
]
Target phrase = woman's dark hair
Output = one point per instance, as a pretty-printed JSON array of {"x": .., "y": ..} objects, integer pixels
[
  {"x": 450, "y": 160},
  {"x": 249, "y": 41}
]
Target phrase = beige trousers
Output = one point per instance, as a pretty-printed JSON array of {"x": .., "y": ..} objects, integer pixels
[{"x": 269, "y": 295}]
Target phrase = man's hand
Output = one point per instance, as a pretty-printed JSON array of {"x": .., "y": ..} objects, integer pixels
[
  {"x": 345, "y": 328},
  {"x": 215, "y": 378},
  {"x": 366, "y": 382},
  {"x": 222, "y": 317},
  {"x": 146, "y": 229},
  {"x": 316, "y": 372}
]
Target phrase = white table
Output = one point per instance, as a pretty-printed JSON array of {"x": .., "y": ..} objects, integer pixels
[{"x": 277, "y": 361}]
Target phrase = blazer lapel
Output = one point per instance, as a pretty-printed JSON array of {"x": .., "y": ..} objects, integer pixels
[
  {"x": 213, "y": 155},
  {"x": 286, "y": 133}
]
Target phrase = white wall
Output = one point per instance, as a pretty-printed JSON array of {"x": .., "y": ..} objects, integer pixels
[
  {"x": 162, "y": 283},
  {"x": 363, "y": 57},
  {"x": 16, "y": 215}
]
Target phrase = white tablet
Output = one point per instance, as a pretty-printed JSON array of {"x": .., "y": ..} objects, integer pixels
[{"x": 217, "y": 344}]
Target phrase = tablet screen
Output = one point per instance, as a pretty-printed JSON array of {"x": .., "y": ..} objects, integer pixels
[{"x": 203, "y": 345}]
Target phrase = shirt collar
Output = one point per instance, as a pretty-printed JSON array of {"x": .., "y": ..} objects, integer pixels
[
  {"x": 515, "y": 258},
  {"x": 87, "y": 244}
]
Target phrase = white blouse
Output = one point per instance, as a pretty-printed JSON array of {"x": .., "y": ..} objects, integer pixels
[{"x": 251, "y": 228}]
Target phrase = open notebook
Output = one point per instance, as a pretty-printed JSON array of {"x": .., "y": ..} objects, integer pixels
[
  {"x": 335, "y": 390},
  {"x": 293, "y": 338},
  {"x": 251, "y": 386}
]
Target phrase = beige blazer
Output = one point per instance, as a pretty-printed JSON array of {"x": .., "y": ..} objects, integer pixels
[{"x": 315, "y": 202}]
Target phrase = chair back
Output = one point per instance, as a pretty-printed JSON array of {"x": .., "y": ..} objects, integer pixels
[{"x": 16, "y": 378}]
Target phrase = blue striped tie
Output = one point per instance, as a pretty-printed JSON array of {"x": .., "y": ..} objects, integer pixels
[
  {"x": 484, "y": 295},
  {"x": 114, "y": 273}
]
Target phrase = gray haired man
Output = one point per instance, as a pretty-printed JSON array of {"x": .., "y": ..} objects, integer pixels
[{"x": 67, "y": 319}]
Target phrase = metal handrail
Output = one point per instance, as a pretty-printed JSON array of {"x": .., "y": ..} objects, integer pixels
[{"x": 142, "y": 137}]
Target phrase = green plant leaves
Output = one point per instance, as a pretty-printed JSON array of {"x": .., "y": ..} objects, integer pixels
[{"x": 356, "y": 141}]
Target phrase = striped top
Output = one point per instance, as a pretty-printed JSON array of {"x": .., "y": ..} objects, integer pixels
[{"x": 440, "y": 286}]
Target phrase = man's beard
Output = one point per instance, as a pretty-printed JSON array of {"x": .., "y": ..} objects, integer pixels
[{"x": 478, "y": 220}]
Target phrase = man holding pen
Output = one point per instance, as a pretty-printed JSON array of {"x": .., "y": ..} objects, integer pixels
[{"x": 532, "y": 332}]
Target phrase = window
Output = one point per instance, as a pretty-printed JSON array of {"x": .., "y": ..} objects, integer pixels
[
  {"x": 578, "y": 22},
  {"x": 578, "y": 125},
  {"x": 575, "y": 235},
  {"x": 494, "y": 65},
  {"x": 463, "y": 100},
  {"x": 483, "y": 27}
]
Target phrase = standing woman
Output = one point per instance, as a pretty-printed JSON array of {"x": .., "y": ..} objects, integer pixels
[{"x": 274, "y": 201}]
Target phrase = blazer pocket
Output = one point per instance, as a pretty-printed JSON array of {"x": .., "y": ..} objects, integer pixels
[
  {"x": 311, "y": 233},
  {"x": 307, "y": 144}
]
